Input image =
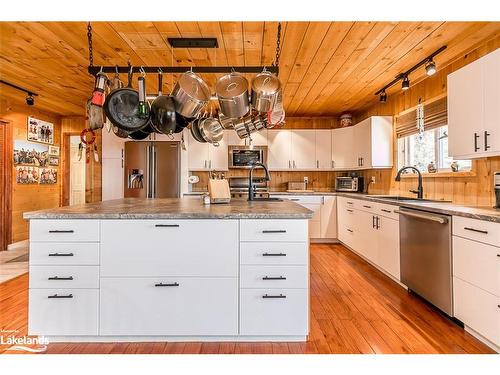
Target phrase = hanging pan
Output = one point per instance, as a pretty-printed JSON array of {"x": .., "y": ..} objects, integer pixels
[{"x": 163, "y": 115}]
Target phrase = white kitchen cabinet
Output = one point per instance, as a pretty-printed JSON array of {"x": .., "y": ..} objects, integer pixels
[
  {"x": 388, "y": 246},
  {"x": 343, "y": 148},
  {"x": 279, "y": 153},
  {"x": 363, "y": 143},
  {"x": 303, "y": 153},
  {"x": 367, "y": 235},
  {"x": 217, "y": 156},
  {"x": 324, "y": 149},
  {"x": 273, "y": 253},
  {"x": 328, "y": 217},
  {"x": 112, "y": 179},
  {"x": 205, "y": 156},
  {"x": 474, "y": 109},
  {"x": 315, "y": 221},
  {"x": 258, "y": 138}
]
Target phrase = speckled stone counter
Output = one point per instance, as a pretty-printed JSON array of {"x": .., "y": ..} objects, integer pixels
[
  {"x": 170, "y": 208},
  {"x": 315, "y": 192}
]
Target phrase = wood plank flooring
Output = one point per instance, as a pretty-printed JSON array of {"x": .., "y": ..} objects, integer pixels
[{"x": 354, "y": 309}]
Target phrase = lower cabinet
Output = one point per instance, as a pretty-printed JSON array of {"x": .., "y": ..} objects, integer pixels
[{"x": 169, "y": 306}]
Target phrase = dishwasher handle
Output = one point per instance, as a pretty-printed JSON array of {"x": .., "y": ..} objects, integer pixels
[{"x": 439, "y": 219}]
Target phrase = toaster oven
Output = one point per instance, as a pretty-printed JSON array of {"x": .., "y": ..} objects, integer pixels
[{"x": 352, "y": 184}]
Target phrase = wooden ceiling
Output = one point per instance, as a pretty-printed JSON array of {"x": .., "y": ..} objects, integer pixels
[{"x": 326, "y": 67}]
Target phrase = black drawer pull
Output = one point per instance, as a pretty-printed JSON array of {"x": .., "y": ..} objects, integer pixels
[
  {"x": 349, "y": 202},
  {"x": 61, "y": 254},
  {"x": 349, "y": 230},
  {"x": 63, "y": 296},
  {"x": 349, "y": 210},
  {"x": 294, "y": 199},
  {"x": 274, "y": 231},
  {"x": 273, "y": 296},
  {"x": 274, "y": 278},
  {"x": 476, "y": 230},
  {"x": 61, "y": 231},
  {"x": 384, "y": 210},
  {"x": 367, "y": 206},
  {"x": 274, "y": 254},
  {"x": 166, "y": 284},
  {"x": 60, "y": 278},
  {"x": 167, "y": 225},
  {"x": 498, "y": 255}
]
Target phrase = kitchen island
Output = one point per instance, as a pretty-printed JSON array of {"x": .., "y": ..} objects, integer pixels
[{"x": 170, "y": 270}]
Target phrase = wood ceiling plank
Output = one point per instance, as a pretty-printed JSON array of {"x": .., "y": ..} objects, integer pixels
[
  {"x": 352, "y": 40},
  {"x": 331, "y": 42},
  {"x": 269, "y": 42},
  {"x": 292, "y": 42},
  {"x": 232, "y": 34},
  {"x": 253, "y": 33},
  {"x": 217, "y": 55}
]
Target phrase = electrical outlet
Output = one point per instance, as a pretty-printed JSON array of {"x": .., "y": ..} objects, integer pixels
[
  {"x": 373, "y": 179},
  {"x": 306, "y": 180}
]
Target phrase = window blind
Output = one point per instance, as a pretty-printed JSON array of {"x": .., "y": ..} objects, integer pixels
[{"x": 435, "y": 115}]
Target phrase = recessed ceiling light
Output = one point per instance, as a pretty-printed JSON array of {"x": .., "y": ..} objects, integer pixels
[
  {"x": 430, "y": 67},
  {"x": 405, "y": 85}
]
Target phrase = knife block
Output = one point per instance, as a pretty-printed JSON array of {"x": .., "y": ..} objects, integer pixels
[{"x": 219, "y": 191}]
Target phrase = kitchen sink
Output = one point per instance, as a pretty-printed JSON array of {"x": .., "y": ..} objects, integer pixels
[{"x": 407, "y": 199}]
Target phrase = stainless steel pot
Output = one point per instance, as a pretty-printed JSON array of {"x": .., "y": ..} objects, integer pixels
[
  {"x": 190, "y": 95},
  {"x": 242, "y": 127},
  {"x": 265, "y": 89},
  {"x": 211, "y": 130},
  {"x": 232, "y": 93}
]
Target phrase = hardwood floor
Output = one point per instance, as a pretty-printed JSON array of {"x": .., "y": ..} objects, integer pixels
[{"x": 354, "y": 309}]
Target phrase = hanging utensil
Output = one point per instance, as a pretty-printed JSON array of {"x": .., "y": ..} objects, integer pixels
[
  {"x": 163, "y": 116},
  {"x": 265, "y": 89},
  {"x": 143, "y": 107},
  {"x": 190, "y": 95},
  {"x": 232, "y": 93},
  {"x": 116, "y": 83},
  {"x": 98, "y": 94}
]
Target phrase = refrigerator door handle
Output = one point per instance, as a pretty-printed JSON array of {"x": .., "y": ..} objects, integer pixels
[
  {"x": 148, "y": 179},
  {"x": 155, "y": 173}
]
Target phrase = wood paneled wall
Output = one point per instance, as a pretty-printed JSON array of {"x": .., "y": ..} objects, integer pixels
[
  {"x": 475, "y": 188},
  {"x": 35, "y": 196}
]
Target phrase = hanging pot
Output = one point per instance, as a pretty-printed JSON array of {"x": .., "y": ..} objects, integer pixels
[
  {"x": 163, "y": 115},
  {"x": 211, "y": 131},
  {"x": 232, "y": 93},
  {"x": 122, "y": 108},
  {"x": 276, "y": 117},
  {"x": 119, "y": 132},
  {"x": 195, "y": 131},
  {"x": 182, "y": 122},
  {"x": 242, "y": 127},
  {"x": 265, "y": 89},
  {"x": 190, "y": 94},
  {"x": 139, "y": 135}
]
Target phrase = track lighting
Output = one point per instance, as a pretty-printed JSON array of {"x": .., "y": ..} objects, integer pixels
[
  {"x": 30, "y": 100},
  {"x": 405, "y": 85},
  {"x": 383, "y": 96},
  {"x": 430, "y": 67}
]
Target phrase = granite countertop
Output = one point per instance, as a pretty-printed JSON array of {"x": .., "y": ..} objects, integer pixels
[
  {"x": 447, "y": 208},
  {"x": 312, "y": 192},
  {"x": 173, "y": 208}
]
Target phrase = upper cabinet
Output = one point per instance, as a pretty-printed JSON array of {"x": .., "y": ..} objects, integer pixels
[
  {"x": 342, "y": 148},
  {"x": 205, "y": 156},
  {"x": 279, "y": 149},
  {"x": 474, "y": 109},
  {"x": 303, "y": 155}
]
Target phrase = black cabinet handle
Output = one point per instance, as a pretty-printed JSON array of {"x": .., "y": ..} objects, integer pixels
[
  {"x": 165, "y": 284},
  {"x": 167, "y": 225},
  {"x": 61, "y": 231},
  {"x": 486, "y": 135},
  {"x": 365, "y": 206},
  {"x": 62, "y": 296},
  {"x": 373, "y": 221},
  {"x": 274, "y": 231},
  {"x": 274, "y": 278},
  {"x": 476, "y": 137},
  {"x": 273, "y": 296},
  {"x": 476, "y": 230},
  {"x": 384, "y": 210},
  {"x": 377, "y": 222},
  {"x": 349, "y": 210},
  {"x": 349, "y": 202},
  {"x": 274, "y": 254},
  {"x": 60, "y": 278},
  {"x": 61, "y": 254},
  {"x": 349, "y": 230},
  {"x": 498, "y": 255},
  {"x": 294, "y": 199}
]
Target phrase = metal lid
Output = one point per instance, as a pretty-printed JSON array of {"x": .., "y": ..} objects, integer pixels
[
  {"x": 266, "y": 83},
  {"x": 194, "y": 86},
  {"x": 231, "y": 85}
]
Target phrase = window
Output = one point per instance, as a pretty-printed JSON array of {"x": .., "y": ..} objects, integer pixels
[{"x": 419, "y": 150}]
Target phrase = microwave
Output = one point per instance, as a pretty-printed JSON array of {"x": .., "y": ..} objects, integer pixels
[
  {"x": 245, "y": 156},
  {"x": 353, "y": 184}
]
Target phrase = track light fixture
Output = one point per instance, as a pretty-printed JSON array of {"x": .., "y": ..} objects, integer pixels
[
  {"x": 430, "y": 67},
  {"x": 405, "y": 85},
  {"x": 30, "y": 100},
  {"x": 383, "y": 96}
]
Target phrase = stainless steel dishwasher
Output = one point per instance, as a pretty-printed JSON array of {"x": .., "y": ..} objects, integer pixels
[{"x": 426, "y": 263}]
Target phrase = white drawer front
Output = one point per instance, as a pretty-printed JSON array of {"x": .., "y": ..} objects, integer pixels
[
  {"x": 478, "y": 230},
  {"x": 277, "y": 253},
  {"x": 477, "y": 263},
  {"x": 64, "y": 277},
  {"x": 75, "y": 316},
  {"x": 273, "y": 277},
  {"x": 146, "y": 248},
  {"x": 367, "y": 206},
  {"x": 274, "y": 230},
  {"x": 64, "y": 253},
  {"x": 64, "y": 230},
  {"x": 273, "y": 316},
  {"x": 195, "y": 306},
  {"x": 386, "y": 210},
  {"x": 478, "y": 309},
  {"x": 345, "y": 202}
]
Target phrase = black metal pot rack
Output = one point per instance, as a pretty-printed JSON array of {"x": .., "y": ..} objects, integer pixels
[{"x": 181, "y": 69}]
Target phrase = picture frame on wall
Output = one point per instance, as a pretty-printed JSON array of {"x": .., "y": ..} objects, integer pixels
[
  {"x": 54, "y": 161},
  {"x": 29, "y": 153},
  {"x": 26, "y": 174},
  {"x": 40, "y": 131},
  {"x": 54, "y": 150},
  {"x": 48, "y": 176}
]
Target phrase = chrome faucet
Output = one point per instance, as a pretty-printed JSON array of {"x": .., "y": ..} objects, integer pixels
[
  {"x": 420, "y": 188},
  {"x": 251, "y": 192}
]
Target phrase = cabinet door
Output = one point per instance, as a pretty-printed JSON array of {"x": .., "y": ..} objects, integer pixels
[
  {"x": 217, "y": 156},
  {"x": 363, "y": 143},
  {"x": 465, "y": 110},
  {"x": 329, "y": 217},
  {"x": 233, "y": 139},
  {"x": 388, "y": 246},
  {"x": 366, "y": 236},
  {"x": 315, "y": 221},
  {"x": 304, "y": 149},
  {"x": 112, "y": 178},
  {"x": 323, "y": 149},
  {"x": 491, "y": 77},
  {"x": 279, "y": 149},
  {"x": 259, "y": 138},
  {"x": 343, "y": 148},
  {"x": 197, "y": 154}
]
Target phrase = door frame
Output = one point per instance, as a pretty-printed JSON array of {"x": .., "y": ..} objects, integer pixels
[
  {"x": 6, "y": 188},
  {"x": 66, "y": 166}
]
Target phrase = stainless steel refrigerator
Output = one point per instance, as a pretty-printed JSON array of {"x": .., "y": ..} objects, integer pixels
[{"x": 152, "y": 169}]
